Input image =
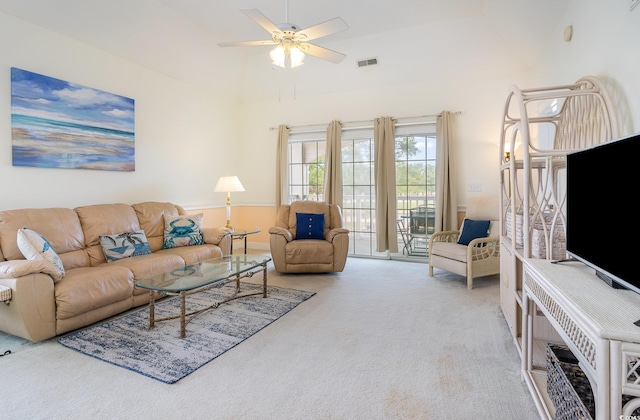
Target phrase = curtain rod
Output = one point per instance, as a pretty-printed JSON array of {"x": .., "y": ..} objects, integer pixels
[{"x": 368, "y": 122}]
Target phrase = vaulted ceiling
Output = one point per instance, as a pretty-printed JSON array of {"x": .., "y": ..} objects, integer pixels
[{"x": 179, "y": 37}]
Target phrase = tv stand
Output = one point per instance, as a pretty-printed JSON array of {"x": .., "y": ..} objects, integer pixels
[{"x": 595, "y": 321}]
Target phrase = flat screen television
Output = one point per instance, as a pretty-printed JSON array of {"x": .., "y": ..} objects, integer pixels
[{"x": 601, "y": 210}]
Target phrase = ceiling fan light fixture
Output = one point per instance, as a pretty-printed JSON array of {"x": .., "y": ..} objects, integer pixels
[
  {"x": 278, "y": 56},
  {"x": 287, "y": 55},
  {"x": 296, "y": 56}
]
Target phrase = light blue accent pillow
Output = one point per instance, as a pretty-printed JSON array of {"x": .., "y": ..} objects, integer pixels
[
  {"x": 309, "y": 226},
  {"x": 123, "y": 245},
  {"x": 34, "y": 246},
  {"x": 183, "y": 231},
  {"x": 473, "y": 229}
]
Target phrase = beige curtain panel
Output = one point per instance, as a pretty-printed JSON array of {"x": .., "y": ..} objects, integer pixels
[
  {"x": 446, "y": 194},
  {"x": 385, "y": 176},
  {"x": 333, "y": 164},
  {"x": 282, "y": 164}
]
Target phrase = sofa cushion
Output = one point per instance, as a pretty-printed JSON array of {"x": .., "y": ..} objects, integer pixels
[
  {"x": 88, "y": 288},
  {"x": 60, "y": 226},
  {"x": 106, "y": 219},
  {"x": 183, "y": 231},
  {"x": 148, "y": 265},
  {"x": 311, "y": 251},
  {"x": 449, "y": 250},
  {"x": 151, "y": 216},
  {"x": 36, "y": 247},
  {"x": 194, "y": 254},
  {"x": 123, "y": 245},
  {"x": 309, "y": 225},
  {"x": 308, "y": 207}
]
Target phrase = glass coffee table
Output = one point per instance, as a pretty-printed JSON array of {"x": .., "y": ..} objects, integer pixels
[{"x": 196, "y": 278}]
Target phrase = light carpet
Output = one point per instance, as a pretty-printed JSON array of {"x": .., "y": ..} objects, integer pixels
[
  {"x": 161, "y": 354},
  {"x": 380, "y": 341}
]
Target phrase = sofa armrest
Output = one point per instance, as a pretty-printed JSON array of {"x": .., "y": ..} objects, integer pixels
[
  {"x": 31, "y": 313},
  {"x": 19, "y": 268},
  {"x": 483, "y": 248},
  {"x": 282, "y": 232},
  {"x": 213, "y": 235},
  {"x": 220, "y": 236},
  {"x": 335, "y": 232}
]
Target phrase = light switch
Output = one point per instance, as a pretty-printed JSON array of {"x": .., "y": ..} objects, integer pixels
[{"x": 474, "y": 187}]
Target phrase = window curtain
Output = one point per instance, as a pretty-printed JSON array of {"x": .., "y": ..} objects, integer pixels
[
  {"x": 385, "y": 178},
  {"x": 446, "y": 193},
  {"x": 282, "y": 164},
  {"x": 333, "y": 164}
]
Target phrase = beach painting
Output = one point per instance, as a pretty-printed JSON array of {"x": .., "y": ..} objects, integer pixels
[{"x": 58, "y": 124}]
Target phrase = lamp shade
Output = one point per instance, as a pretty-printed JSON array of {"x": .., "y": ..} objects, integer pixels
[{"x": 228, "y": 184}]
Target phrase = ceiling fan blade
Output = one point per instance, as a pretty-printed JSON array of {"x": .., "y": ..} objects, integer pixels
[
  {"x": 323, "y": 29},
  {"x": 246, "y": 43},
  {"x": 257, "y": 16},
  {"x": 324, "y": 53}
]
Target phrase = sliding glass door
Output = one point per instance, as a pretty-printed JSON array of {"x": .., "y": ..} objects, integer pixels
[{"x": 415, "y": 158}]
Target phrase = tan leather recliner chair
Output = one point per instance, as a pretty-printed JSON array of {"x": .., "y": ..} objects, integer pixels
[{"x": 291, "y": 255}]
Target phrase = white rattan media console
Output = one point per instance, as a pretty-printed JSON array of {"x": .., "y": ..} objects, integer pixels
[{"x": 595, "y": 321}]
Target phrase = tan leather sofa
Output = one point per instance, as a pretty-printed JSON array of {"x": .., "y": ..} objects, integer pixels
[
  {"x": 291, "y": 255},
  {"x": 92, "y": 289}
]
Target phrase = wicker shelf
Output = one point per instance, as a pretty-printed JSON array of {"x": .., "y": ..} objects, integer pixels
[{"x": 540, "y": 127}]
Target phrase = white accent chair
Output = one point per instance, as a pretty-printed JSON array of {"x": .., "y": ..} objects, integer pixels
[{"x": 481, "y": 257}]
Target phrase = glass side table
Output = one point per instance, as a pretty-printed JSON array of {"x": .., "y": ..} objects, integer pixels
[{"x": 241, "y": 234}]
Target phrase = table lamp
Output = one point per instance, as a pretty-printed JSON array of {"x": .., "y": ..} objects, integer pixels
[{"x": 228, "y": 184}]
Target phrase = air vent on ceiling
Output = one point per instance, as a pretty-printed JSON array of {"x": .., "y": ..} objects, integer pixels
[{"x": 367, "y": 62}]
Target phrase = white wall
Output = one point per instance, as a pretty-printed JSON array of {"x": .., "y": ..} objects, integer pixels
[
  {"x": 184, "y": 136},
  {"x": 460, "y": 66},
  {"x": 460, "y": 71},
  {"x": 605, "y": 43}
]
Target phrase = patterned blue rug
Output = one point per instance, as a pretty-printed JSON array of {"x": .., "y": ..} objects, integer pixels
[{"x": 161, "y": 354}]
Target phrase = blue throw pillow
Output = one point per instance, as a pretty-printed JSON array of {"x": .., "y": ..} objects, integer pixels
[
  {"x": 473, "y": 229},
  {"x": 309, "y": 226}
]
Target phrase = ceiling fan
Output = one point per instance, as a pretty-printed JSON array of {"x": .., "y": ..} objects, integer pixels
[{"x": 292, "y": 41}]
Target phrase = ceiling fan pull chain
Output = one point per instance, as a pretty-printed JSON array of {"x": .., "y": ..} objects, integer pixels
[{"x": 279, "y": 85}]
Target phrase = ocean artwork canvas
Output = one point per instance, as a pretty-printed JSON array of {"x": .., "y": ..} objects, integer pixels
[{"x": 59, "y": 124}]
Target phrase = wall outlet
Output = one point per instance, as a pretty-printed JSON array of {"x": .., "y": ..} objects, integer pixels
[
  {"x": 474, "y": 187},
  {"x": 633, "y": 3}
]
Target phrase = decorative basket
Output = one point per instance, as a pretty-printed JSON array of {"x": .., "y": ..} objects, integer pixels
[
  {"x": 538, "y": 235},
  {"x": 568, "y": 386},
  {"x": 5, "y": 294}
]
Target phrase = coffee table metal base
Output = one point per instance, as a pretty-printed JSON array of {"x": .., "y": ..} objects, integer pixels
[{"x": 185, "y": 317}]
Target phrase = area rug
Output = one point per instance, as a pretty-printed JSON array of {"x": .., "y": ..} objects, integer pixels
[{"x": 161, "y": 354}]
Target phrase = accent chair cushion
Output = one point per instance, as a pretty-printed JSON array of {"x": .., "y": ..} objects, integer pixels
[
  {"x": 183, "y": 231},
  {"x": 473, "y": 229},
  {"x": 123, "y": 245},
  {"x": 309, "y": 225},
  {"x": 34, "y": 246}
]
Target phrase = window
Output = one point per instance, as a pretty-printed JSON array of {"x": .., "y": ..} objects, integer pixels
[
  {"x": 359, "y": 195},
  {"x": 306, "y": 170},
  {"x": 415, "y": 191}
]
